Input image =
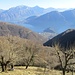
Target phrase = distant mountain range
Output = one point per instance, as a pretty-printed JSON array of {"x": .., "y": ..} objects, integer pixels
[
  {"x": 58, "y": 21},
  {"x": 38, "y": 19},
  {"x": 22, "y": 12},
  {"x": 1, "y": 10},
  {"x": 65, "y": 39}
]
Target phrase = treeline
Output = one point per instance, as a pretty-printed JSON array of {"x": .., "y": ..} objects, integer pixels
[{"x": 22, "y": 52}]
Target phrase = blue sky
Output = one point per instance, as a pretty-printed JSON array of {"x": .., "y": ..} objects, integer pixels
[{"x": 6, "y": 4}]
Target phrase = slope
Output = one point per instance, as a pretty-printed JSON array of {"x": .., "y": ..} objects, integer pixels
[
  {"x": 14, "y": 30},
  {"x": 66, "y": 39}
]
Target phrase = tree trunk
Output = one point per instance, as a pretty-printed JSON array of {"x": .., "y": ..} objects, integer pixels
[
  {"x": 5, "y": 67},
  {"x": 64, "y": 71},
  {"x": 12, "y": 67},
  {"x": 2, "y": 65},
  {"x": 27, "y": 66},
  {"x": 72, "y": 72}
]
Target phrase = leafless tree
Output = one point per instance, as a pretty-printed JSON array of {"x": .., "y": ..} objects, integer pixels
[
  {"x": 65, "y": 57},
  {"x": 28, "y": 53},
  {"x": 7, "y": 54}
]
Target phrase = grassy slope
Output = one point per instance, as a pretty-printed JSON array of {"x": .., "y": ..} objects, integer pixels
[{"x": 32, "y": 71}]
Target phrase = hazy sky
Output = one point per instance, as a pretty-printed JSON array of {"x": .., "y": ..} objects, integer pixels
[{"x": 6, "y": 4}]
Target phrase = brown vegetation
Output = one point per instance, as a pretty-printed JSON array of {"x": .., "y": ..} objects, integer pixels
[
  {"x": 15, "y": 30},
  {"x": 65, "y": 57},
  {"x": 18, "y": 51}
]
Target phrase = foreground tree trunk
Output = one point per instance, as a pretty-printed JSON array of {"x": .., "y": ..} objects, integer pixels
[
  {"x": 64, "y": 71},
  {"x": 27, "y": 66},
  {"x": 12, "y": 67},
  {"x": 2, "y": 66},
  {"x": 5, "y": 67}
]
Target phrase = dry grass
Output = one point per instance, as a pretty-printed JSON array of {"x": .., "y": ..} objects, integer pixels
[{"x": 32, "y": 71}]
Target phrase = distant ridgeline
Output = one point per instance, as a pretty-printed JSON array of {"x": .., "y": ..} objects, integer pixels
[
  {"x": 15, "y": 30},
  {"x": 40, "y": 18},
  {"x": 65, "y": 39}
]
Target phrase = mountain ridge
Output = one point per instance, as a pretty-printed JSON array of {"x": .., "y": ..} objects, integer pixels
[
  {"x": 23, "y": 12},
  {"x": 58, "y": 21},
  {"x": 65, "y": 39},
  {"x": 52, "y": 19},
  {"x": 15, "y": 30},
  {"x": 45, "y": 17}
]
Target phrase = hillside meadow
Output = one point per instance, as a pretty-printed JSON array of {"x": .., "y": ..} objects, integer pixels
[
  {"x": 32, "y": 71},
  {"x": 24, "y": 53},
  {"x": 18, "y": 51}
]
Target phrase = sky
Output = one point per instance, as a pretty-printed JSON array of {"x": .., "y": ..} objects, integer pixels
[{"x": 6, "y": 4}]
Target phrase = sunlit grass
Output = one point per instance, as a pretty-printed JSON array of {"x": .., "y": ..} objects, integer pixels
[{"x": 32, "y": 71}]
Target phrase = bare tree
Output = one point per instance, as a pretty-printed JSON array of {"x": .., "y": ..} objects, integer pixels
[
  {"x": 30, "y": 57},
  {"x": 31, "y": 54},
  {"x": 7, "y": 54},
  {"x": 28, "y": 53},
  {"x": 4, "y": 53},
  {"x": 65, "y": 56}
]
